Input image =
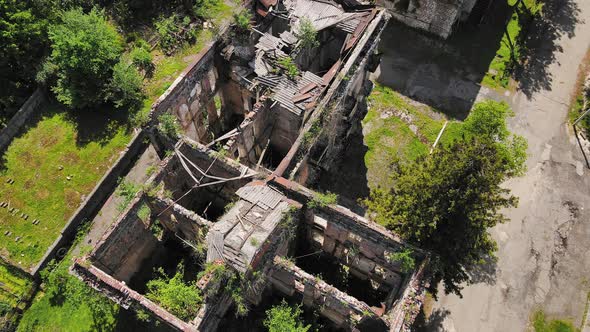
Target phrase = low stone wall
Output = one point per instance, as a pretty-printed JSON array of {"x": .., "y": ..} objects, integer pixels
[
  {"x": 342, "y": 309},
  {"x": 96, "y": 198},
  {"x": 406, "y": 308},
  {"x": 125, "y": 296},
  {"x": 126, "y": 244},
  {"x": 35, "y": 102}
]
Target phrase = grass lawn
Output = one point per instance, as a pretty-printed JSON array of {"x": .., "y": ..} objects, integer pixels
[
  {"x": 40, "y": 162},
  {"x": 68, "y": 304},
  {"x": 542, "y": 324},
  {"x": 387, "y": 136},
  {"x": 503, "y": 64}
]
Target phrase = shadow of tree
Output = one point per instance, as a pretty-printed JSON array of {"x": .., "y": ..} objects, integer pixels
[
  {"x": 540, "y": 44},
  {"x": 433, "y": 323},
  {"x": 483, "y": 273}
]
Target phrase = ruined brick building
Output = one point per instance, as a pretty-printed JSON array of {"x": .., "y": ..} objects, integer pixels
[{"x": 232, "y": 188}]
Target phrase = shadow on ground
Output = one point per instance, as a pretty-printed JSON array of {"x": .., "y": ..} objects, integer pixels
[
  {"x": 433, "y": 323},
  {"x": 484, "y": 273},
  {"x": 445, "y": 74},
  {"x": 348, "y": 178},
  {"x": 560, "y": 18}
]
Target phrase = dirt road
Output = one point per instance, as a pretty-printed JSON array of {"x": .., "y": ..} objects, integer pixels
[{"x": 544, "y": 251}]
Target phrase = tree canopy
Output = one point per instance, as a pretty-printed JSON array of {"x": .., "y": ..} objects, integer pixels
[
  {"x": 84, "y": 50},
  {"x": 446, "y": 202},
  {"x": 22, "y": 39}
]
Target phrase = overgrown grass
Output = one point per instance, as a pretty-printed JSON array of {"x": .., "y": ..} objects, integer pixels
[
  {"x": 15, "y": 287},
  {"x": 509, "y": 52},
  {"x": 68, "y": 304},
  {"x": 541, "y": 324},
  {"x": 388, "y": 137},
  {"x": 52, "y": 172},
  {"x": 167, "y": 68}
]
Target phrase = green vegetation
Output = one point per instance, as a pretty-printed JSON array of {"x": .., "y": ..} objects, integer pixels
[
  {"x": 540, "y": 324},
  {"x": 169, "y": 125},
  {"x": 62, "y": 166},
  {"x": 289, "y": 66},
  {"x": 15, "y": 287},
  {"x": 405, "y": 258},
  {"x": 455, "y": 193},
  {"x": 84, "y": 50},
  {"x": 580, "y": 97},
  {"x": 307, "y": 34},
  {"x": 175, "y": 295},
  {"x": 285, "y": 318},
  {"x": 173, "y": 32},
  {"x": 22, "y": 36},
  {"x": 242, "y": 21},
  {"x": 68, "y": 304},
  {"x": 144, "y": 212},
  {"x": 125, "y": 87},
  {"x": 320, "y": 200},
  {"x": 509, "y": 54},
  {"x": 231, "y": 282},
  {"x": 210, "y": 9},
  {"x": 389, "y": 138},
  {"x": 127, "y": 191}
]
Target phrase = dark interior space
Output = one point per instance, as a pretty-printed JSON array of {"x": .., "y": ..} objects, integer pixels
[
  {"x": 170, "y": 255},
  {"x": 206, "y": 202},
  {"x": 330, "y": 270},
  {"x": 127, "y": 321}
]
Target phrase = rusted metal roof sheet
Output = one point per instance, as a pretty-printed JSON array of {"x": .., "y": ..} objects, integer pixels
[
  {"x": 329, "y": 75},
  {"x": 358, "y": 32},
  {"x": 301, "y": 97}
]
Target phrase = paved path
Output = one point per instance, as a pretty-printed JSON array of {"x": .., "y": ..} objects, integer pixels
[{"x": 544, "y": 250}]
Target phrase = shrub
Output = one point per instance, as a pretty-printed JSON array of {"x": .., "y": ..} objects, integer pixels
[
  {"x": 290, "y": 67},
  {"x": 404, "y": 258},
  {"x": 169, "y": 125},
  {"x": 180, "y": 298},
  {"x": 242, "y": 21},
  {"x": 284, "y": 318},
  {"x": 174, "y": 32},
  {"x": 125, "y": 87},
  {"x": 307, "y": 34},
  {"x": 205, "y": 9},
  {"x": 142, "y": 59},
  {"x": 322, "y": 200}
]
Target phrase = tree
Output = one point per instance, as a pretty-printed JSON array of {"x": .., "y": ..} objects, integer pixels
[
  {"x": 125, "y": 86},
  {"x": 284, "y": 318},
  {"x": 446, "y": 203},
  {"x": 173, "y": 294},
  {"x": 488, "y": 120},
  {"x": 84, "y": 50},
  {"x": 22, "y": 36}
]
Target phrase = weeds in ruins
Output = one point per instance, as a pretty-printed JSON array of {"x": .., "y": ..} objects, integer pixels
[
  {"x": 285, "y": 318},
  {"x": 127, "y": 191},
  {"x": 320, "y": 200},
  {"x": 289, "y": 66},
  {"x": 168, "y": 125},
  {"x": 405, "y": 258},
  {"x": 180, "y": 298},
  {"x": 15, "y": 288},
  {"x": 307, "y": 34}
]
